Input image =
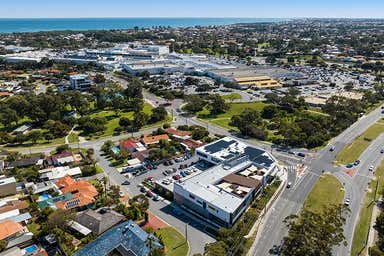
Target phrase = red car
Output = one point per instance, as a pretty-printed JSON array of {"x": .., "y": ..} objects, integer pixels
[
  {"x": 149, "y": 194},
  {"x": 176, "y": 177}
]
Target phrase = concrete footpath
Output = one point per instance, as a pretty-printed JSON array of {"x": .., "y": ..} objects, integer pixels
[{"x": 266, "y": 212}]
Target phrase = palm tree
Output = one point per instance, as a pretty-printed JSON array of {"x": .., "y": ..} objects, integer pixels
[{"x": 105, "y": 181}]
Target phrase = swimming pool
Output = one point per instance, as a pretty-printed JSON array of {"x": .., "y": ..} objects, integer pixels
[
  {"x": 31, "y": 249},
  {"x": 44, "y": 197}
]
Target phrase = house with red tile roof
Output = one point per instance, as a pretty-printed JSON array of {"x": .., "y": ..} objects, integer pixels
[
  {"x": 148, "y": 140},
  {"x": 191, "y": 144},
  {"x": 83, "y": 193},
  {"x": 14, "y": 234},
  {"x": 132, "y": 145},
  {"x": 178, "y": 134}
]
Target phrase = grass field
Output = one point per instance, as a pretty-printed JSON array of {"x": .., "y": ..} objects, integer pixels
[
  {"x": 235, "y": 109},
  {"x": 113, "y": 118},
  {"x": 352, "y": 151},
  {"x": 73, "y": 138},
  {"x": 365, "y": 216},
  {"x": 327, "y": 191},
  {"x": 174, "y": 241},
  {"x": 232, "y": 96}
]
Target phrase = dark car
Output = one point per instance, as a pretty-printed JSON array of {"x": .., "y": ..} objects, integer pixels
[
  {"x": 301, "y": 154},
  {"x": 143, "y": 190},
  {"x": 126, "y": 183},
  {"x": 349, "y": 165}
]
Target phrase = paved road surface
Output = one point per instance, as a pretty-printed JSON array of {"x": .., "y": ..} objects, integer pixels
[{"x": 292, "y": 200}]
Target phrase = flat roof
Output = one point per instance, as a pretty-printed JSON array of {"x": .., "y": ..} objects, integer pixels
[
  {"x": 205, "y": 186},
  {"x": 227, "y": 148},
  {"x": 7, "y": 181}
]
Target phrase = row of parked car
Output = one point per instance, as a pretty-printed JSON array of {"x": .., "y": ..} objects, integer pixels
[{"x": 177, "y": 176}]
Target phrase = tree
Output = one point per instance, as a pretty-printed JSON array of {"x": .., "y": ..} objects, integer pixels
[
  {"x": 99, "y": 79},
  {"x": 49, "y": 137},
  {"x": 248, "y": 123},
  {"x": 3, "y": 245},
  {"x": 218, "y": 104},
  {"x": 60, "y": 149},
  {"x": 34, "y": 136},
  {"x": 168, "y": 96},
  {"x": 195, "y": 103},
  {"x": 269, "y": 112},
  {"x": 215, "y": 249},
  {"x": 313, "y": 233},
  {"x": 59, "y": 218},
  {"x": 139, "y": 120},
  {"x": 158, "y": 114}
]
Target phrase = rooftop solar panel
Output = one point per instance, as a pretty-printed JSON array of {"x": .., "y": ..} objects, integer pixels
[{"x": 218, "y": 146}]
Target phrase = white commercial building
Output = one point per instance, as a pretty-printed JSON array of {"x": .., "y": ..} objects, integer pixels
[{"x": 223, "y": 192}]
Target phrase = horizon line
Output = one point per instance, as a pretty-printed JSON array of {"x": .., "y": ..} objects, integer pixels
[{"x": 190, "y": 17}]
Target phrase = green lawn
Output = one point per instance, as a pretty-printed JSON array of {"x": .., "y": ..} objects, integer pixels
[
  {"x": 365, "y": 216},
  {"x": 174, "y": 242},
  {"x": 352, "y": 151},
  {"x": 113, "y": 118},
  {"x": 327, "y": 191},
  {"x": 73, "y": 137},
  {"x": 235, "y": 109},
  {"x": 232, "y": 96}
]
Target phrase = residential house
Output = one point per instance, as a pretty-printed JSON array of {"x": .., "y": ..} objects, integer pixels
[
  {"x": 24, "y": 162},
  {"x": 23, "y": 129},
  {"x": 99, "y": 221},
  {"x": 9, "y": 205},
  {"x": 7, "y": 186},
  {"x": 59, "y": 172},
  {"x": 149, "y": 140},
  {"x": 15, "y": 234},
  {"x": 189, "y": 144},
  {"x": 132, "y": 145},
  {"x": 83, "y": 193},
  {"x": 177, "y": 134},
  {"x": 125, "y": 239}
]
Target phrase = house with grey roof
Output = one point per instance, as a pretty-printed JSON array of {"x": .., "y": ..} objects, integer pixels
[
  {"x": 100, "y": 221},
  {"x": 126, "y": 239}
]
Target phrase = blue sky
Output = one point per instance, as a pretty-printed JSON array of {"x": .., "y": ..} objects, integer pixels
[{"x": 194, "y": 8}]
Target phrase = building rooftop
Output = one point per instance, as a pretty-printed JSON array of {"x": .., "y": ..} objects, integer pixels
[
  {"x": 228, "y": 148},
  {"x": 205, "y": 186},
  {"x": 7, "y": 181},
  {"x": 9, "y": 228},
  {"x": 127, "y": 239},
  {"x": 99, "y": 222}
]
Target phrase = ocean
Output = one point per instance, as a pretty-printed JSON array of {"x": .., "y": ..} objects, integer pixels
[{"x": 52, "y": 24}]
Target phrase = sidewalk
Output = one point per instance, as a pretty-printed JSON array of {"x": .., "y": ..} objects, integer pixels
[
  {"x": 372, "y": 231},
  {"x": 264, "y": 215}
]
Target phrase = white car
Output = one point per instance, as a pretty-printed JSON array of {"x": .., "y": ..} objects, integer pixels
[
  {"x": 371, "y": 168},
  {"x": 121, "y": 194},
  {"x": 347, "y": 202}
]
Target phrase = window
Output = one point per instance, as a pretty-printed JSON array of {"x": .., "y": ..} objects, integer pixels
[
  {"x": 192, "y": 196},
  {"x": 212, "y": 208},
  {"x": 201, "y": 154}
]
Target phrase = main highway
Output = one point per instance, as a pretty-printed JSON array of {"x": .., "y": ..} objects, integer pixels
[{"x": 273, "y": 229}]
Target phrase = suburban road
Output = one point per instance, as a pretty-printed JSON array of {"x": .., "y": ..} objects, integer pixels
[{"x": 290, "y": 202}]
